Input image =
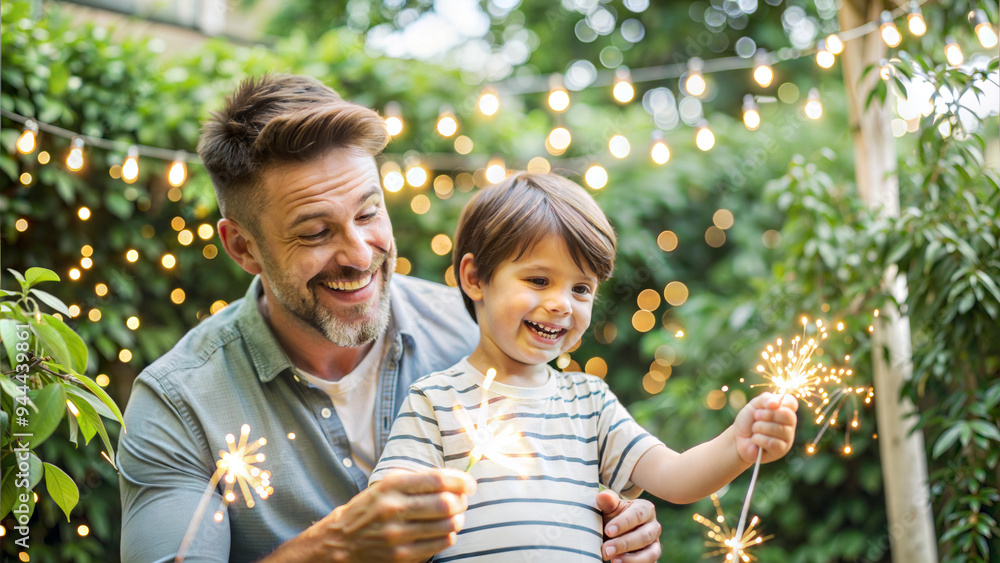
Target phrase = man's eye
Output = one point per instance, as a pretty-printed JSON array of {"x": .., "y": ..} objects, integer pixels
[
  {"x": 367, "y": 216},
  {"x": 316, "y": 236}
]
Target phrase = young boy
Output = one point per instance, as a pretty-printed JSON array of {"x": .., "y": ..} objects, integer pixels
[{"x": 529, "y": 254}]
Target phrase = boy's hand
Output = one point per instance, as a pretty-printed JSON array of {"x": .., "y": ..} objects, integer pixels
[
  {"x": 631, "y": 527},
  {"x": 766, "y": 423}
]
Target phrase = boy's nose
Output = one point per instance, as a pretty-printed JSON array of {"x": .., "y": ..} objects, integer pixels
[{"x": 558, "y": 302}]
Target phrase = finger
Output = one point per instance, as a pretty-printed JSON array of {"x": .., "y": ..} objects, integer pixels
[
  {"x": 781, "y": 416},
  {"x": 372, "y": 549},
  {"x": 639, "y": 544},
  {"x": 632, "y": 514},
  {"x": 773, "y": 429},
  {"x": 773, "y": 447},
  {"x": 412, "y": 531},
  {"x": 610, "y": 505},
  {"x": 430, "y": 481}
]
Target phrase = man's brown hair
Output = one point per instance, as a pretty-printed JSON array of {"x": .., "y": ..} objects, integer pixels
[
  {"x": 277, "y": 119},
  {"x": 504, "y": 221}
]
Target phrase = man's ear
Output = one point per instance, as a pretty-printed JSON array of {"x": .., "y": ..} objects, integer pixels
[
  {"x": 468, "y": 277},
  {"x": 240, "y": 245}
]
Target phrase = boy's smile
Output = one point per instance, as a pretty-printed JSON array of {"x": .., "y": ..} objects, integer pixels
[{"x": 532, "y": 310}]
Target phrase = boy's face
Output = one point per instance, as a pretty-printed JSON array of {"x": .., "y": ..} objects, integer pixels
[{"x": 535, "y": 308}]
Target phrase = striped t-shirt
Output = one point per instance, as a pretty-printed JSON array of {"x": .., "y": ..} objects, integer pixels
[{"x": 536, "y": 500}]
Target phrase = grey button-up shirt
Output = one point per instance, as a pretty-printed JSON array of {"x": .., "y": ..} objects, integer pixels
[{"x": 229, "y": 371}]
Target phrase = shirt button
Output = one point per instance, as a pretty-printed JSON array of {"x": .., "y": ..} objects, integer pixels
[
  {"x": 325, "y": 413},
  {"x": 347, "y": 462}
]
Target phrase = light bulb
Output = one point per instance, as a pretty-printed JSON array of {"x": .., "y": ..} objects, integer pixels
[
  {"x": 834, "y": 44},
  {"x": 559, "y": 139},
  {"x": 695, "y": 82},
  {"x": 393, "y": 181},
  {"x": 751, "y": 113},
  {"x": 885, "y": 70},
  {"x": 623, "y": 90},
  {"x": 26, "y": 143},
  {"x": 889, "y": 32},
  {"x": 75, "y": 159},
  {"x": 130, "y": 168},
  {"x": 178, "y": 170},
  {"x": 596, "y": 177},
  {"x": 915, "y": 20},
  {"x": 987, "y": 37},
  {"x": 660, "y": 153},
  {"x": 762, "y": 72},
  {"x": 416, "y": 176},
  {"x": 953, "y": 52},
  {"x": 495, "y": 171},
  {"x": 447, "y": 125},
  {"x": 704, "y": 138},
  {"x": 814, "y": 109},
  {"x": 824, "y": 58},
  {"x": 619, "y": 146},
  {"x": 558, "y": 100},
  {"x": 393, "y": 121},
  {"x": 489, "y": 102}
]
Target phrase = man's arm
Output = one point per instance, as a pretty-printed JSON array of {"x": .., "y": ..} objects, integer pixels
[{"x": 407, "y": 516}]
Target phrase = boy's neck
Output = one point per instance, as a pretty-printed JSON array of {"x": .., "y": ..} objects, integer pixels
[{"x": 509, "y": 372}]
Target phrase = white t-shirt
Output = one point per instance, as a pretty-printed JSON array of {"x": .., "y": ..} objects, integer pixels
[{"x": 353, "y": 397}]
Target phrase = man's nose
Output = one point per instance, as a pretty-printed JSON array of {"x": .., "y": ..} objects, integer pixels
[{"x": 352, "y": 250}]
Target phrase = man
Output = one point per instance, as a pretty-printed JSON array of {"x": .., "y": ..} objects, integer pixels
[{"x": 316, "y": 359}]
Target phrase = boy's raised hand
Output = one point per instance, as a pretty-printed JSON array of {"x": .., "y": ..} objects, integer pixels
[{"x": 768, "y": 422}]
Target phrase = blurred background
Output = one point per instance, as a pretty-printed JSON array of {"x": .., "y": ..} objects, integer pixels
[{"x": 727, "y": 141}]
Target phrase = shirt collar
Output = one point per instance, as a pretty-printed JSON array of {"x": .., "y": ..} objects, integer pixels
[{"x": 269, "y": 359}]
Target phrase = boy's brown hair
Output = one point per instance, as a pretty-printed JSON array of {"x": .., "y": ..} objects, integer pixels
[
  {"x": 277, "y": 119},
  {"x": 504, "y": 221}
]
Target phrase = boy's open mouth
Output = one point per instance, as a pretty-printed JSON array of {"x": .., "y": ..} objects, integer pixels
[{"x": 545, "y": 332}]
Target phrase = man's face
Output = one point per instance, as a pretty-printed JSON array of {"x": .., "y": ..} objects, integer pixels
[{"x": 326, "y": 247}]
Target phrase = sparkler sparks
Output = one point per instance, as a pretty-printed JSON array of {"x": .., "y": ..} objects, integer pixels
[
  {"x": 725, "y": 540},
  {"x": 487, "y": 442},
  {"x": 235, "y": 467}
]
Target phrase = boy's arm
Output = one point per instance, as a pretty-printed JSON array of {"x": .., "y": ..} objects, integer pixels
[{"x": 686, "y": 477}]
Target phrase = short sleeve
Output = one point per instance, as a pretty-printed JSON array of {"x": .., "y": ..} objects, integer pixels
[
  {"x": 415, "y": 440},
  {"x": 621, "y": 441}
]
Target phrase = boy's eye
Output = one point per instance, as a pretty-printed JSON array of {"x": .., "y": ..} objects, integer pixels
[
  {"x": 582, "y": 289},
  {"x": 537, "y": 281}
]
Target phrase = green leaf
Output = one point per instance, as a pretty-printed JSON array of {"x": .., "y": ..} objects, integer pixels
[
  {"x": 102, "y": 395},
  {"x": 74, "y": 344},
  {"x": 51, "y": 301},
  {"x": 85, "y": 395},
  {"x": 51, "y": 403},
  {"x": 38, "y": 275},
  {"x": 9, "y": 492},
  {"x": 61, "y": 488},
  {"x": 986, "y": 430},
  {"x": 52, "y": 343},
  {"x": 9, "y": 335},
  {"x": 90, "y": 422},
  {"x": 947, "y": 440},
  {"x": 17, "y": 275}
]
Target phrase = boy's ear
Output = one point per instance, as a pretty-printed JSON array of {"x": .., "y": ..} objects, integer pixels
[
  {"x": 239, "y": 245},
  {"x": 468, "y": 277}
]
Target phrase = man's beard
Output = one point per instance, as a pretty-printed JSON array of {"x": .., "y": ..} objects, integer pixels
[{"x": 355, "y": 325}]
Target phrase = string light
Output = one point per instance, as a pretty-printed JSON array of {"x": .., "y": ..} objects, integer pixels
[
  {"x": 824, "y": 58},
  {"x": 495, "y": 171},
  {"x": 416, "y": 176},
  {"x": 558, "y": 99},
  {"x": 393, "y": 181},
  {"x": 130, "y": 168},
  {"x": 178, "y": 170},
  {"x": 660, "y": 153},
  {"x": 987, "y": 37},
  {"x": 885, "y": 70},
  {"x": 623, "y": 90},
  {"x": 27, "y": 142},
  {"x": 75, "y": 159},
  {"x": 953, "y": 52},
  {"x": 751, "y": 113},
  {"x": 762, "y": 72},
  {"x": 834, "y": 44},
  {"x": 887, "y": 28},
  {"x": 393, "y": 121},
  {"x": 814, "y": 109},
  {"x": 596, "y": 177},
  {"x": 704, "y": 138},
  {"x": 489, "y": 102},
  {"x": 83, "y": 213},
  {"x": 915, "y": 20},
  {"x": 558, "y": 140},
  {"x": 447, "y": 125},
  {"x": 695, "y": 82},
  {"x": 619, "y": 146}
]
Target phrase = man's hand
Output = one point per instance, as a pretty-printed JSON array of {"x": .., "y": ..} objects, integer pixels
[
  {"x": 632, "y": 528},
  {"x": 768, "y": 422},
  {"x": 406, "y": 517}
]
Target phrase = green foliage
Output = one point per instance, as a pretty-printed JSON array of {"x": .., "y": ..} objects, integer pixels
[{"x": 41, "y": 368}]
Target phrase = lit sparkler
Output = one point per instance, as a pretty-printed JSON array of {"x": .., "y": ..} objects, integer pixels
[
  {"x": 235, "y": 467},
  {"x": 833, "y": 402},
  {"x": 486, "y": 440},
  {"x": 727, "y": 541}
]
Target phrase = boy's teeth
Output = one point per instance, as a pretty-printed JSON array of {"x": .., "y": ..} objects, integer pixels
[
  {"x": 350, "y": 286},
  {"x": 550, "y": 333}
]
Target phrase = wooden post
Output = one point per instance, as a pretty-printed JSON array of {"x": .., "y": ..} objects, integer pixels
[{"x": 904, "y": 463}]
